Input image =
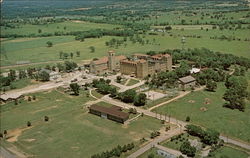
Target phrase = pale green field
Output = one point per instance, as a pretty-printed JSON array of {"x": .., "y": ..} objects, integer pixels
[
  {"x": 75, "y": 25},
  {"x": 71, "y": 129},
  {"x": 36, "y": 50}
]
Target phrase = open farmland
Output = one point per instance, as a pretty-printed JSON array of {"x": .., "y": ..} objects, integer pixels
[{"x": 36, "y": 50}]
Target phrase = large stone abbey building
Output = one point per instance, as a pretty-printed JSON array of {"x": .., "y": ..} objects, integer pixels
[{"x": 140, "y": 65}]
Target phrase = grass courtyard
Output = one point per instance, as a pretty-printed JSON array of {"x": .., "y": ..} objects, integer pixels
[
  {"x": 212, "y": 115},
  {"x": 71, "y": 129}
]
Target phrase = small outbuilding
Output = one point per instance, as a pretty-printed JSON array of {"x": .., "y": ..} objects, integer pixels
[
  {"x": 113, "y": 113},
  {"x": 187, "y": 82}
]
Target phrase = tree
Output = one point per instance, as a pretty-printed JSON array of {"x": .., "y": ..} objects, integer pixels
[
  {"x": 140, "y": 99},
  {"x": 12, "y": 75},
  {"x": 61, "y": 54},
  {"x": 22, "y": 74},
  {"x": 236, "y": 92},
  {"x": 183, "y": 70},
  {"x": 92, "y": 49},
  {"x": 151, "y": 155},
  {"x": 118, "y": 79},
  {"x": 78, "y": 53},
  {"x": 75, "y": 88},
  {"x": 211, "y": 85},
  {"x": 39, "y": 31},
  {"x": 60, "y": 67},
  {"x": 49, "y": 44},
  {"x": 28, "y": 123},
  {"x": 187, "y": 149},
  {"x": 210, "y": 137},
  {"x": 46, "y": 118},
  {"x": 34, "y": 97},
  {"x": 187, "y": 119},
  {"x": 44, "y": 76},
  {"x": 69, "y": 66},
  {"x": 5, "y": 132},
  {"x": 65, "y": 55},
  {"x": 128, "y": 96},
  {"x": 71, "y": 55}
]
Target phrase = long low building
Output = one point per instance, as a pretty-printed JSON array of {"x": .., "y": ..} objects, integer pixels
[{"x": 113, "y": 113}]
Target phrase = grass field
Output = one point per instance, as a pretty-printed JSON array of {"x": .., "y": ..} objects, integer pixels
[
  {"x": 36, "y": 50},
  {"x": 230, "y": 152},
  {"x": 71, "y": 129},
  {"x": 26, "y": 29},
  {"x": 230, "y": 122}
]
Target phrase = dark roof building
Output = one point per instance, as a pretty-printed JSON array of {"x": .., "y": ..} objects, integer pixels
[
  {"x": 187, "y": 79},
  {"x": 187, "y": 82},
  {"x": 113, "y": 113}
]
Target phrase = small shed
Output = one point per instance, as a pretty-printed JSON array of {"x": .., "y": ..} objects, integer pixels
[{"x": 187, "y": 82}]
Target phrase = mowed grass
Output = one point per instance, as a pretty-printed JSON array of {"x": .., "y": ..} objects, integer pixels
[
  {"x": 71, "y": 129},
  {"x": 132, "y": 82},
  {"x": 36, "y": 50},
  {"x": 68, "y": 26},
  {"x": 229, "y": 122},
  {"x": 230, "y": 152}
]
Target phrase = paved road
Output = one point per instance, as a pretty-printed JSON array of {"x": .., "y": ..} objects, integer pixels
[
  {"x": 235, "y": 142},
  {"x": 123, "y": 88},
  {"x": 6, "y": 154}
]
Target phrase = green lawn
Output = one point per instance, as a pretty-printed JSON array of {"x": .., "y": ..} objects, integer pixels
[
  {"x": 96, "y": 94},
  {"x": 132, "y": 82},
  {"x": 71, "y": 129},
  {"x": 230, "y": 122},
  {"x": 230, "y": 153}
]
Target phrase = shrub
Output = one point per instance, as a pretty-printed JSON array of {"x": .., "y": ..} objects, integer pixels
[
  {"x": 28, "y": 123},
  {"x": 46, "y": 118}
]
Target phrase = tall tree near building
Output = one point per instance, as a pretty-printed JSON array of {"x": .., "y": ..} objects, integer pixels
[{"x": 75, "y": 88}]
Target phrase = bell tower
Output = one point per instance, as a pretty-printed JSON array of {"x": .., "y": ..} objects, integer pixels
[{"x": 111, "y": 60}]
